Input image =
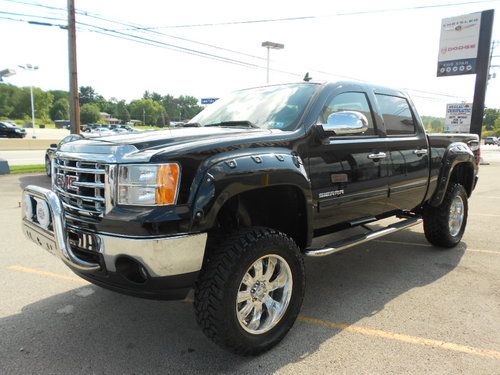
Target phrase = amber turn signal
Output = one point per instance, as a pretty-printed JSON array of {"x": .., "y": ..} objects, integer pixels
[{"x": 167, "y": 180}]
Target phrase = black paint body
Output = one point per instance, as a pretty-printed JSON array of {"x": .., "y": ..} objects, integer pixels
[{"x": 218, "y": 164}]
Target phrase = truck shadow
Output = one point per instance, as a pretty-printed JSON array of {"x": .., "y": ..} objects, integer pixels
[
  {"x": 34, "y": 179},
  {"x": 92, "y": 330}
]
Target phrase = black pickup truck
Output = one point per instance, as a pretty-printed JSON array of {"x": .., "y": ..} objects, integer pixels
[{"x": 229, "y": 203}]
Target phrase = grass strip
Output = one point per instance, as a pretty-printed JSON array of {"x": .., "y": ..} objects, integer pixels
[{"x": 32, "y": 168}]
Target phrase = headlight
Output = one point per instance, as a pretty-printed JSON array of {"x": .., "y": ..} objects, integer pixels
[
  {"x": 28, "y": 207},
  {"x": 42, "y": 213},
  {"x": 148, "y": 185}
]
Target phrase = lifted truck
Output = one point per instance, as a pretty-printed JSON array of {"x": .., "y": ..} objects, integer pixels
[{"x": 230, "y": 202}]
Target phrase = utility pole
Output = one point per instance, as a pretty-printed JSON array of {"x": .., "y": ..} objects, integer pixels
[{"x": 74, "y": 102}]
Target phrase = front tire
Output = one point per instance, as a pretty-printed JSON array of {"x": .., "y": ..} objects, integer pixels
[
  {"x": 250, "y": 290},
  {"x": 444, "y": 225}
]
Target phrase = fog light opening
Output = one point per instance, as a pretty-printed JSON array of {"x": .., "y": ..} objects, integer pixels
[{"x": 131, "y": 270}]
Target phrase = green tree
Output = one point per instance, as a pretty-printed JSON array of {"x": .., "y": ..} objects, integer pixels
[
  {"x": 89, "y": 113},
  {"x": 496, "y": 127},
  {"x": 490, "y": 116},
  {"x": 121, "y": 112},
  {"x": 188, "y": 106},
  {"x": 8, "y": 95},
  {"x": 43, "y": 103},
  {"x": 59, "y": 94},
  {"x": 146, "y": 110},
  {"x": 60, "y": 109},
  {"x": 88, "y": 95}
]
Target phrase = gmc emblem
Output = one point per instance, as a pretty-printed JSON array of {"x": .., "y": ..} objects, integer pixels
[{"x": 65, "y": 182}]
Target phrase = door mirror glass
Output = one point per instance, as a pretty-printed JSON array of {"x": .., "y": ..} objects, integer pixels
[
  {"x": 345, "y": 123},
  {"x": 53, "y": 145}
]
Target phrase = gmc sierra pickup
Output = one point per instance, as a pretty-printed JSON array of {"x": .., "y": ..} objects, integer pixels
[{"x": 230, "y": 202}]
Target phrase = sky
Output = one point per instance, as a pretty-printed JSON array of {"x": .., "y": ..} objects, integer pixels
[{"x": 379, "y": 42}]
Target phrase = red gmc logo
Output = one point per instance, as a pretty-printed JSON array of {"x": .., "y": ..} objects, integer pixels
[{"x": 66, "y": 182}]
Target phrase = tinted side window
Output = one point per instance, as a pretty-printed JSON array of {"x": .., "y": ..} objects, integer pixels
[
  {"x": 350, "y": 101},
  {"x": 397, "y": 115}
]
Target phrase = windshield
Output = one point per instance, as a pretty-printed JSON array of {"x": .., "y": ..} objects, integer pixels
[{"x": 271, "y": 107}]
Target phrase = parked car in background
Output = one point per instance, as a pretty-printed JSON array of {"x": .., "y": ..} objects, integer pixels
[
  {"x": 11, "y": 130},
  {"x": 54, "y": 147},
  {"x": 119, "y": 130},
  {"x": 491, "y": 141}
]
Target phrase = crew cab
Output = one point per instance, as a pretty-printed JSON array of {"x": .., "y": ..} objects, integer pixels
[{"x": 230, "y": 202}]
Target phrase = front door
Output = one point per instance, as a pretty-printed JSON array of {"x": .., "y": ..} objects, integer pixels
[{"x": 349, "y": 173}]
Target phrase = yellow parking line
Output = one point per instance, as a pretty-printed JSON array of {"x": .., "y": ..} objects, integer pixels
[
  {"x": 325, "y": 323},
  {"x": 46, "y": 274},
  {"x": 426, "y": 245},
  {"x": 416, "y": 340}
]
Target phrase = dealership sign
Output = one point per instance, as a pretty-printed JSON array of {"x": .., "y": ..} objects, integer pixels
[
  {"x": 458, "y": 117},
  {"x": 458, "y": 45},
  {"x": 206, "y": 101}
]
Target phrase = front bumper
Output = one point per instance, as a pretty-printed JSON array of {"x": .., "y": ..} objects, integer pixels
[{"x": 152, "y": 267}]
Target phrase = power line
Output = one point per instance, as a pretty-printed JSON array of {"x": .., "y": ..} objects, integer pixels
[
  {"x": 434, "y": 93},
  {"x": 156, "y": 43},
  {"x": 303, "y": 18}
]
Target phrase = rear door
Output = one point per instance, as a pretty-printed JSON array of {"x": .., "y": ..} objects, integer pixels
[
  {"x": 408, "y": 148},
  {"x": 349, "y": 173}
]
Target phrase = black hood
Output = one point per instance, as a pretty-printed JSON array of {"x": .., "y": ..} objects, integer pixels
[{"x": 145, "y": 145}]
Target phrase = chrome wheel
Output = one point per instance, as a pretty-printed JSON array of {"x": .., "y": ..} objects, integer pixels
[
  {"x": 264, "y": 294},
  {"x": 456, "y": 216}
]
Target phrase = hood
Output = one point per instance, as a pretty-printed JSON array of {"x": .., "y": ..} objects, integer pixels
[{"x": 144, "y": 145}]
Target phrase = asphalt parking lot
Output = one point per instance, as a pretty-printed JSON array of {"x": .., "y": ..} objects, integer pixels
[{"x": 393, "y": 306}]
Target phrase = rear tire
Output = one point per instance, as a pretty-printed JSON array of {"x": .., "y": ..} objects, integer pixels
[
  {"x": 259, "y": 267},
  {"x": 444, "y": 225}
]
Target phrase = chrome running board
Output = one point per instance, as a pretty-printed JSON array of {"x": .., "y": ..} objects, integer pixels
[{"x": 361, "y": 238}]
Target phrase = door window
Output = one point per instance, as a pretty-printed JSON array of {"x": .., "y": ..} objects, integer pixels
[
  {"x": 350, "y": 101},
  {"x": 397, "y": 115}
]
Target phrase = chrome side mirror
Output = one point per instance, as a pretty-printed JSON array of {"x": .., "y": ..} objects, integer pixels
[{"x": 345, "y": 122}]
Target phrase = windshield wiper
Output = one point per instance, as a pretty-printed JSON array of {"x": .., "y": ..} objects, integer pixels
[
  {"x": 190, "y": 125},
  {"x": 241, "y": 123}
]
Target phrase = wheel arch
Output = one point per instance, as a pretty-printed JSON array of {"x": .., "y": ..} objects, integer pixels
[
  {"x": 458, "y": 166},
  {"x": 269, "y": 186}
]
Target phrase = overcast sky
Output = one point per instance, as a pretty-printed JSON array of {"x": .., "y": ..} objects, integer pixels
[{"x": 392, "y": 48}]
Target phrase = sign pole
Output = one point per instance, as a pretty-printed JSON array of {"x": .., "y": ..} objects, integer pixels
[{"x": 482, "y": 71}]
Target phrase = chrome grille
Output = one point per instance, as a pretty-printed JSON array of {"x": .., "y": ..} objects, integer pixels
[{"x": 80, "y": 185}]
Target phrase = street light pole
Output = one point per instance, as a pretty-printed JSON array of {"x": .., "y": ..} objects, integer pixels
[
  {"x": 31, "y": 68},
  {"x": 267, "y": 70},
  {"x": 269, "y": 46}
]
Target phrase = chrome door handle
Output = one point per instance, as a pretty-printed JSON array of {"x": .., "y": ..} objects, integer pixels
[
  {"x": 420, "y": 152},
  {"x": 380, "y": 155}
]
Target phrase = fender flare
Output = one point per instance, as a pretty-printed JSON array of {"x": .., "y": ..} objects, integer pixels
[
  {"x": 226, "y": 175},
  {"x": 456, "y": 153}
]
